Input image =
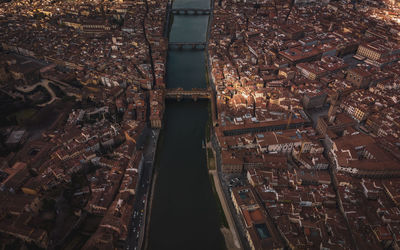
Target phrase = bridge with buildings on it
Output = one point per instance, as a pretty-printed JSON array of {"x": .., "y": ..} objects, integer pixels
[
  {"x": 190, "y": 11},
  {"x": 193, "y": 94},
  {"x": 187, "y": 45}
]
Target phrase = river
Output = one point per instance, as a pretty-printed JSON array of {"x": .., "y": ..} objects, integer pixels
[{"x": 184, "y": 212}]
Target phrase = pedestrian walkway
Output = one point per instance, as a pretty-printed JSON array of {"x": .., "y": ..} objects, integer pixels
[{"x": 227, "y": 212}]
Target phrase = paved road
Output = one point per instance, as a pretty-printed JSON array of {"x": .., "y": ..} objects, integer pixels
[
  {"x": 240, "y": 226},
  {"x": 225, "y": 207},
  {"x": 45, "y": 84},
  {"x": 137, "y": 225},
  {"x": 241, "y": 229}
]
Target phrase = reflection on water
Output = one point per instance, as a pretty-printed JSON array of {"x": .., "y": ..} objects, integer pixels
[{"x": 184, "y": 213}]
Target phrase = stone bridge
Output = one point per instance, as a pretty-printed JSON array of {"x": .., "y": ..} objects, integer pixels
[
  {"x": 193, "y": 94},
  {"x": 186, "y": 46},
  {"x": 185, "y": 11}
]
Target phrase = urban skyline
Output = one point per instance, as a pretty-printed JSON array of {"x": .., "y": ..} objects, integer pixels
[{"x": 188, "y": 124}]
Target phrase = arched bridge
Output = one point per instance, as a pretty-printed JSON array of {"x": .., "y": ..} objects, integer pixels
[
  {"x": 194, "y": 94},
  {"x": 191, "y": 46},
  {"x": 183, "y": 11}
]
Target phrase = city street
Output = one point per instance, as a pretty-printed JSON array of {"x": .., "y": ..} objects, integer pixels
[
  {"x": 239, "y": 224},
  {"x": 137, "y": 225}
]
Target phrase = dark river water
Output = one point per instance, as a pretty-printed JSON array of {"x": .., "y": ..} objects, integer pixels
[{"x": 184, "y": 213}]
